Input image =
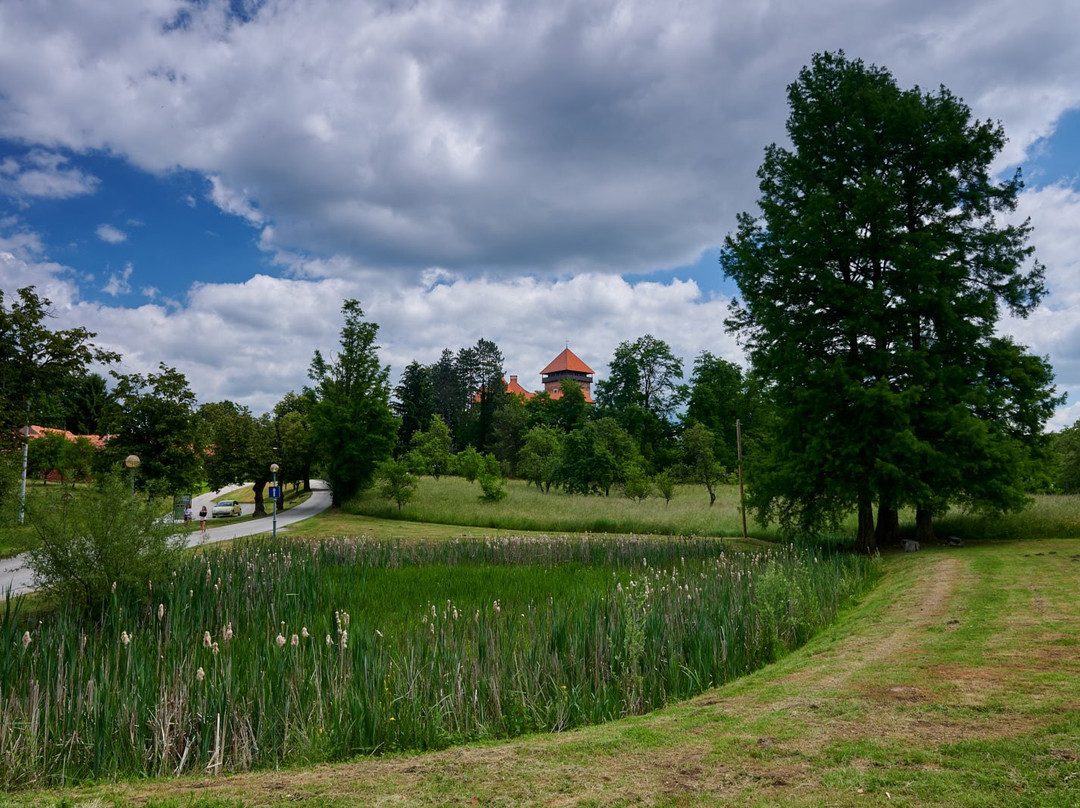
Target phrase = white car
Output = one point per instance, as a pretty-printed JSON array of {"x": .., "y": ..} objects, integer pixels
[{"x": 226, "y": 507}]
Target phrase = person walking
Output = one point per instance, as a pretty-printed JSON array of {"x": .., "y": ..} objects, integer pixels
[
  {"x": 202, "y": 520},
  {"x": 187, "y": 515}
]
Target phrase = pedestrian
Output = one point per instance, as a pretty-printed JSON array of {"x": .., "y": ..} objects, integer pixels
[
  {"x": 187, "y": 514},
  {"x": 202, "y": 519}
]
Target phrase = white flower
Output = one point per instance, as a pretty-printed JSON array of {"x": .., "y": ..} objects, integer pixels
[
  {"x": 125, "y": 638},
  {"x": 329, "y": 640},
  {"x": 215, "y": 649},
  {"x": 206, "y": 641},
  {"x": 304, "y": 632},
  {"x": 161, "y": 611},
  {"x": 200, "y": 674},
  {"x": 25, "y": 639},
  {"x": 280, "y": 640},
  {"x": 228, "y": 632},
  {"x": 295, "y": 641}
]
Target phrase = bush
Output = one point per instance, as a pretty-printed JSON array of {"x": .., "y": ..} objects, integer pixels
[
  {"x": 395, "y": 482},
  {"x": 99, "y": 537}
]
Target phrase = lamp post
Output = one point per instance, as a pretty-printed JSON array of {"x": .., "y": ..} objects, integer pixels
[
  {"x": 273, "y": 490},
  {"x": 132, "y": 463}
]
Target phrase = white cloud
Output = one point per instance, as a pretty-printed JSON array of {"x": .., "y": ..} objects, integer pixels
[
  {"x": 119, "y": 282},
  {"x": 45, "y": 175},
  {"x": 110, "y": 234}
]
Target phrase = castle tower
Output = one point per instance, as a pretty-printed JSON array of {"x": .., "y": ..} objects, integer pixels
[{"x": 567, "y": 366}]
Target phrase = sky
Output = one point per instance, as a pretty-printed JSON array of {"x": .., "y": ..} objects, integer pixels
[{"x": 203, "y": 182}]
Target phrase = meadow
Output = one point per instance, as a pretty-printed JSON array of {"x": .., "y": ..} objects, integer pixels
[
  {"x": 454, "y": 501},
  {"x": 269, "y": 654}
]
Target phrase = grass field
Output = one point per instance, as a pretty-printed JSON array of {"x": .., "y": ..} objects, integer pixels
[
  {"x": 454, "y": 501},
  {"x": 955, "y": 683}
]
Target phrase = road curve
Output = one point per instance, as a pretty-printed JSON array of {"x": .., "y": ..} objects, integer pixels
[{"x": 16, "y": 577}]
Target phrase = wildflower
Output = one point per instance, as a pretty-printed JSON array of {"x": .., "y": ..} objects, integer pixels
[
  {"x": 161, "y": 611},
  {"x": 125, "y": 638},
  {"x": 206, "y": 641},
  {"x": 280, "y": 640},
  {"x": 329, "y": 640},
  {"x": 304, "y": 632},
  {"x": 114, "y": 586},
  {"x": 200, "y": 674},
  {"x": 215, "y": 649},
  {"x": 295, "y": 641},
  {"x": 392, "y": 718},
  {"x": 228, "y": 632},
  {"x": 25, "y": 639},
  {"x": 344, "y": 640}
]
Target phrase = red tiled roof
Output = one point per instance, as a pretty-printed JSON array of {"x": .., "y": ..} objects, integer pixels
[
  {"x": 567, "y": 360},
  {"x": 515, "y": 389},
  {"x": 97, "y": 441}
]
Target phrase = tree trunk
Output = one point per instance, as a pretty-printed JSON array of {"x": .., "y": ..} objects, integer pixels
[
  {"x": 712, "y": 494},
  {"x": 888, "y": 523},
  {"x": 865, "y": 541},
  {"x": 260, "y": 506},
  {"x": 924, "y": 526}
]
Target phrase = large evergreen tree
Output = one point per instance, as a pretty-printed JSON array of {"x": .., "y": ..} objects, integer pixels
[
  {"x": 871, "y": 286},
  {"x": 352, "y": 426}
]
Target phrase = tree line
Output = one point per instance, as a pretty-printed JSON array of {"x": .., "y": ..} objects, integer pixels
[{"x": 872, "y": 281}]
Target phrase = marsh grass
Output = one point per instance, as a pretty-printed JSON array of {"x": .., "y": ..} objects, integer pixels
[{"x": 271, "y": 654}]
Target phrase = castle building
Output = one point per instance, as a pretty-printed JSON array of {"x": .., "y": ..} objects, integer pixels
[{"x": 565, "y": 366}]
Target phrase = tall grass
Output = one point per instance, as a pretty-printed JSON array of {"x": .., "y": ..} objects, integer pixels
[
  {"x": 268, "y": 654},
  {"x": 453, "y": 501}
]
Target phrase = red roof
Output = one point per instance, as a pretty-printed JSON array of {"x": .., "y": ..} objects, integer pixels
[
  {"x": 516, "y": 389},
  {"x": 567, "y": 360}
]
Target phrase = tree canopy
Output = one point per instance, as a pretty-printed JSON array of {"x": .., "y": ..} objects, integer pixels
[{"x": 871, "y": 285}]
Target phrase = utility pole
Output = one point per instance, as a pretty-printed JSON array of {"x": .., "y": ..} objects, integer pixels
[{"x": 742, "y": 497}]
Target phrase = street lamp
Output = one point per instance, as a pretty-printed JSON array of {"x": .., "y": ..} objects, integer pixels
[
  {"x": 273, "y": 492},
  {"x": 132, "y": 462}
]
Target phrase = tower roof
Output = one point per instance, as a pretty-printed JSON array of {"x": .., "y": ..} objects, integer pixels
[{"x": 567, "y": 360}]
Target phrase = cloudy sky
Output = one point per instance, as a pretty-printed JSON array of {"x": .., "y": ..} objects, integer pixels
[{"x": 202, "y": 182}]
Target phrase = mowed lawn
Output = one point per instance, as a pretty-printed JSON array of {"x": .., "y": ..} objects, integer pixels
[{"x": 955, "y": 683}]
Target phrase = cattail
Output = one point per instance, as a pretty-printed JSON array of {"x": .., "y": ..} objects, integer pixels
[
  {"x": 329, "y": 640},
  {"x": 206, "y": 641},
  {"x": 228, "y": 632},
  {"x": 280, "y": 640},
  {"x": 200, "y": 674},
  {"x": 125, "y": 638},
  {"x": 295, "y": 641},
  {"x": 215, "y": 649},
  {"x": 304, "y": 632},
  {"x": 25, "y": 639},
  {"x": 344, "y": 640},
  {"x": 161, "y": 611}
]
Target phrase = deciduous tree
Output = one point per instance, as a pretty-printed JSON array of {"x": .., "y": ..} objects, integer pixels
[{"x": 352, "y": 426}]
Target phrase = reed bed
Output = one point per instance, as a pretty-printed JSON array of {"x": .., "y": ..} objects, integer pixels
[{"x": 268, "y": 654}]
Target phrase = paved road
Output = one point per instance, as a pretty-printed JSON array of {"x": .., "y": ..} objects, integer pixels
[{"x": 14, "y": 573}]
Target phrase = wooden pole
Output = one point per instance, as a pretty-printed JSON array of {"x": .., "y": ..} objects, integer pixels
[{"x": 742, "y": 497}]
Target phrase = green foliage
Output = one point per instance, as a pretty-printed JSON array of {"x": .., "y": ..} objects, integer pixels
[
  {"x": 97, "y": 537},
  {"x": 295, "y": 447},
  {"x": 431, "y": 448},
  {"x": 44, "y": 453},
  {"x": 594, "y": 457},
  {"x": 468, "y": 463},
  {"x": 541, "y": 456},
  {"x": 156, "y": 421},
  {"x": 699, "y": 454},
  {"x": 352, "y": 428},
  {"x": 1066, "y": 452},
  {"x": 242, "y": 447},
  {"x": 870, "y": 290},
  {"x": 272, "y": 655},
  {"x": 396, "y": 483},
  {"x": 636, "y": 484},
  {"x": 491, "y": 479},
  {"x": 665, "y": 482},
  {"x": 642, "y": 373}
]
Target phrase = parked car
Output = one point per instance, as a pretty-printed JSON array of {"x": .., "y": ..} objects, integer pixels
[{"x": 226, "y": 507}]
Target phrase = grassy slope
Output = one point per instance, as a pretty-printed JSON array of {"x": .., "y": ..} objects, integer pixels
[{"x": 956, "y": 683}]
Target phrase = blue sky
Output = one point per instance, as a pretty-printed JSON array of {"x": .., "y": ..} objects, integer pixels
[{"x": 205, "y": 194}]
